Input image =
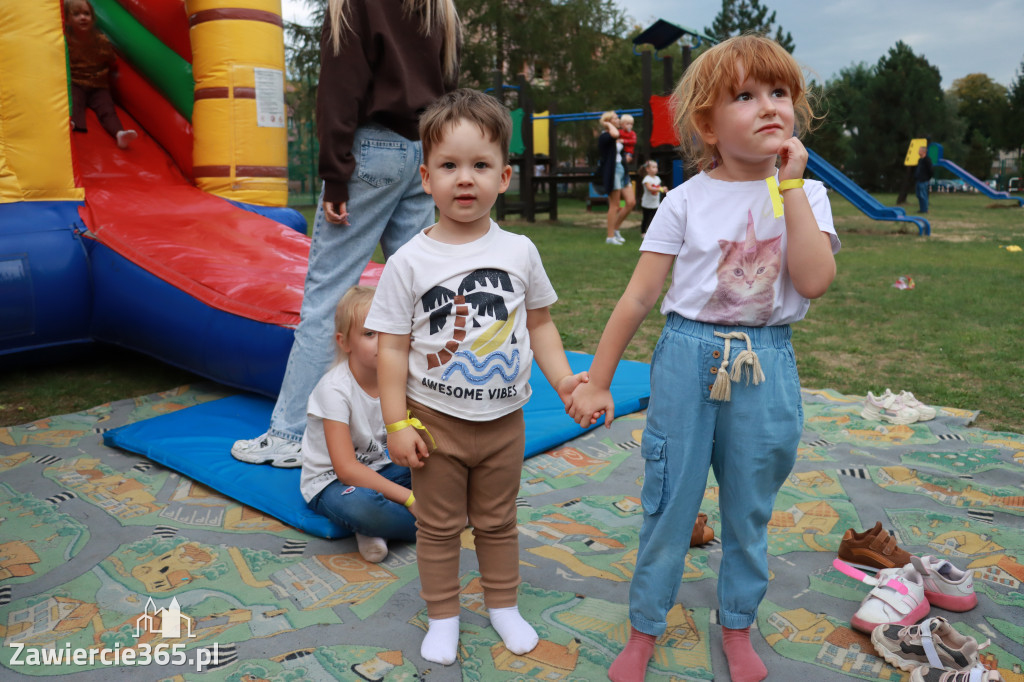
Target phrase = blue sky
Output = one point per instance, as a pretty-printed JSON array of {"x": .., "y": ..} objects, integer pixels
[{"x": 957, "y": 36}]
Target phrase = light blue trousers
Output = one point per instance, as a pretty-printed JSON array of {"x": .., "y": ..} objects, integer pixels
[
  {"x": 387, "y": 205},
  {"x": 750, "y": 442}
]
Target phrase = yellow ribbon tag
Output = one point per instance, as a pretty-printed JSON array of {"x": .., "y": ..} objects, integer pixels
[
  {"x": 773, "y": 192},
  {"x": 774, "y": 189},
  {"x": 414, "y": 423}
]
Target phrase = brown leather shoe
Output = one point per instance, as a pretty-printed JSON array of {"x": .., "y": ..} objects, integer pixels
[
  {"x": 872, "y": 549},
  {"x": 702, "y": 532}
]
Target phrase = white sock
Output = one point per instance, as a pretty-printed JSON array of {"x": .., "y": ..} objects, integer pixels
[
  {"x": 518, "y": 635},
  {"x": 374, "y": 550},
  {"x": 125, "y": 137},
  {"x": 441, "y": 643}
]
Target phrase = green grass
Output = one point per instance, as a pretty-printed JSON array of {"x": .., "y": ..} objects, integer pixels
[{"x": 953, "y": 340}]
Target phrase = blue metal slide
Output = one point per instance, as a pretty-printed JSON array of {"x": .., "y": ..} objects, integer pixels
[
  {"x": 853, "y": 193},
  {"x": 974, "y": 182}
]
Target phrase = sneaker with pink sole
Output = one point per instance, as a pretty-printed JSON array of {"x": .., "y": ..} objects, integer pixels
[
  {"x": 897, "y": 598},
  {"x": 945, "y": 585}
]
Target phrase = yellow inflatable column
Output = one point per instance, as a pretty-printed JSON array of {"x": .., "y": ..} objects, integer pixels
[
  {"x": 239, "y": 119},
  {"x": 35, "y": 128}
]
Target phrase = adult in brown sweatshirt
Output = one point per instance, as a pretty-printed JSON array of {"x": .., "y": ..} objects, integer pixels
[{"x": 381, "y": 63}]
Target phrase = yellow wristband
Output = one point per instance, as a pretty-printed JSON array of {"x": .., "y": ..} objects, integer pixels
[
  {"x": 791, "y": 184},
  {"x": 413, "y": 422},
  {"x": 412, "y": 498}
]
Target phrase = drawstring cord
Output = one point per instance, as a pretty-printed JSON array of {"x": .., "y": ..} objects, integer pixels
[{"x": 745, "y": 364}]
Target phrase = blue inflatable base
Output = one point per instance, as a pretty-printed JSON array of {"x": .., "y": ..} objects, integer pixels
[{"x": 197, "y": 442}]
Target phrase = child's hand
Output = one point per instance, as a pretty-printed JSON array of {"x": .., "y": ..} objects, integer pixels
[
  {"x": 567, "y": 384},
  {"x": 662, "y": 189},
  {"x": 407, "y": 448},
  {"x": 793, "y": 156},
  {"x": 587, "y": 404}
]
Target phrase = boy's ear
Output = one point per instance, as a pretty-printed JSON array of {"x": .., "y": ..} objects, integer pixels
[
  {"x": 342, "y": 342},
  {"x": 425, "y": 177},
  {"x": 506, "y": 178}
]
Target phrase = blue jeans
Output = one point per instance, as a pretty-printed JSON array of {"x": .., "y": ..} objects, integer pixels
[
  {"x": 366, "y": 511},
  {"x": 749, "y": 441},
  {"x": 922, "y": 196},
  {"x": 386, "y": 204}
]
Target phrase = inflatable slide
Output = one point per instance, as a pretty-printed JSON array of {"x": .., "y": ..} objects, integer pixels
[{"x": 178, "y": 247}]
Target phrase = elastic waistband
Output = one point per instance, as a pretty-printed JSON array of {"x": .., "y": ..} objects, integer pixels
[{"x": 760, "y": 337}]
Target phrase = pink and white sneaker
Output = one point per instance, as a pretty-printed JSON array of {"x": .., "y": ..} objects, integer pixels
[
  {"x": 945, "y": 585},
  {"x": 897, "y": 598},
  {"x": 924, "y": 412}
]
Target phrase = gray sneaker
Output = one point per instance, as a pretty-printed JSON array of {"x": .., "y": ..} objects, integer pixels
[
  {"x": 267, "y": 449},
  {"x": 932, "y": 642}
]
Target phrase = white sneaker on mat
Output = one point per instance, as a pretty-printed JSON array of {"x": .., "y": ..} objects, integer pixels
[
  {"x": 890, "y": 409},
  {"x": 924, "y": 412},
  {"x": 267, "y": 449}
]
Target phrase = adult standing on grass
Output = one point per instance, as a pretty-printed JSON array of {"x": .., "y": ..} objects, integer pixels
[
  {"x": 381, "y": 63},
  {"x": 923, "y": 177},
  {"x": 615, "y": 180}
]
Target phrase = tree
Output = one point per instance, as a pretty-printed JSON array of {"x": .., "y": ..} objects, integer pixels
[
  {"x": 902, "y": 99},
  {"x": 1013, "y": 128},
  {"x": 740, "y": 16},
  {"x": 981, "y": 103}
]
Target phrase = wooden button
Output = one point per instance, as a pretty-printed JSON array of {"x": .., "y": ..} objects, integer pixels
[
  {"x": 711, "y": 387},
  {"x": 714, "y": 370},
  {"x": 717, "y": 354}
]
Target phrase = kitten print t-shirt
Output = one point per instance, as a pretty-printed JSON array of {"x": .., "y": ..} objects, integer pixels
[{"x": 730, "y": 252}]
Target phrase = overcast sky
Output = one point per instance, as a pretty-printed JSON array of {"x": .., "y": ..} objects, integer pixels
[{"x": 958, "y": 37}]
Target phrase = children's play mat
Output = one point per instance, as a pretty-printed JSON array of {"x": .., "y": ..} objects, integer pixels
[{"x": 108, "y": 558}]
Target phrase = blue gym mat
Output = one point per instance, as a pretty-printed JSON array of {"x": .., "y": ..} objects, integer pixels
[{"x": 197, "y": 442}]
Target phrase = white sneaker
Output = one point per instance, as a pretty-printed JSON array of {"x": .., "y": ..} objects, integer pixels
[
  {"x": 278, "y": 452},
  {"x": 924, "y": 412},
  {"x": 374, "y": 550},
  {"x": 125, "y": 137},
  {"x": 618, "y": 235},
  {"x": 613, "y": 241},
  {"x": 890, "y": 409}
]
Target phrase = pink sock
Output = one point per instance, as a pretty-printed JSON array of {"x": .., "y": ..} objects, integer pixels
[
  {"x": 631, "y": 664},
  {"x": 744, "y": 663}
]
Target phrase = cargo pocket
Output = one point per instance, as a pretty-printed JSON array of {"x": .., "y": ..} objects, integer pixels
[
  {"x": 652, "y": 449},
  {"x": 380, "y": 162}
]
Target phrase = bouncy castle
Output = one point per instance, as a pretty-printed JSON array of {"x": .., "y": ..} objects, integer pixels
[{"x": 179, "y": 246}]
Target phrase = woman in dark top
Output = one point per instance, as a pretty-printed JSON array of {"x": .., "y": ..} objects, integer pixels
[{"x": 381, "y": 63}]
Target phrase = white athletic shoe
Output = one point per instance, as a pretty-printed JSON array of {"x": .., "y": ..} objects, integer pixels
[
  {"x": 924, "y": 412},
  {"x": 267, "y": 449},
  {"x": 891, "y": 409}
]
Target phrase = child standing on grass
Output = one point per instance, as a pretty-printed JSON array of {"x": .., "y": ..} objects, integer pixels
[
  {"x": 724, "y": 387},
  {"x": 346, "y": 473},
  {"x": 90, "y": 56},
  {"x": 653, "y": 190},
  {"x": 462, "y": 309}
]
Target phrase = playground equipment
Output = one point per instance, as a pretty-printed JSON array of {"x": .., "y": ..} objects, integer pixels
[
  {"x": 857, "y": 196},
  {"x": 936, "y": 149},
  {"x": 163, "y": 248}
]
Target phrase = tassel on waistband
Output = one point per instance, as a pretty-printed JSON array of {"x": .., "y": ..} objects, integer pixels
[{"x": 746, "y": 364}]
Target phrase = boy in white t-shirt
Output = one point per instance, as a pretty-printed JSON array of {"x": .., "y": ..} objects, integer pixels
[
  {"x": 462, "y": 310},
  {"x": 653, "y": 190}
]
